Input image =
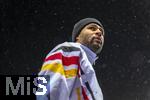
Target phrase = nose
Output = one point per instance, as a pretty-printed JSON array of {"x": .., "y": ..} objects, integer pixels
[{"x": 99, "y": 32}]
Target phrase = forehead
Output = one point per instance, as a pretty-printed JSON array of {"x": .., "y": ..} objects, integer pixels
[{"x": 95, "y": 26}]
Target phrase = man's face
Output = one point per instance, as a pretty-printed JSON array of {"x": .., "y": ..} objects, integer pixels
[{"x": 92, "y": 36}]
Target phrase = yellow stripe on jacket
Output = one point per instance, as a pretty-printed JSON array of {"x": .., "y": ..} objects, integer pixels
[{"x": 58, "y": 68}]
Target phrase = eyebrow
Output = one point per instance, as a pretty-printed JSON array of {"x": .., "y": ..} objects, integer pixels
[{"x": 97, "y": 26}]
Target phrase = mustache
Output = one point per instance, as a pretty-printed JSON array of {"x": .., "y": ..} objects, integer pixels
[{"x": 95, "y": 37}]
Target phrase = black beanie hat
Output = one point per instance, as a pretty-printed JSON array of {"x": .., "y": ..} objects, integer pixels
[{"x": 81, "y": 24}]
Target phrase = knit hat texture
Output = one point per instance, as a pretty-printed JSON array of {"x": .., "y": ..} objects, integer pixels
[{"x": 81, "y": 24}]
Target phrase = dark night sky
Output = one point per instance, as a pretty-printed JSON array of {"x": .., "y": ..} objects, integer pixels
[{"x": 31, "y": 28}]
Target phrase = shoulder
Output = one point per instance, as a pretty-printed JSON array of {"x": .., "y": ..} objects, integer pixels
[{"x": 67, "y": 47}]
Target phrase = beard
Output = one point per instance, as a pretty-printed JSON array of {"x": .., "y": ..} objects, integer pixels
[
  {"x": 95, "y": 45},
  {"x": 99, "y": 49}
]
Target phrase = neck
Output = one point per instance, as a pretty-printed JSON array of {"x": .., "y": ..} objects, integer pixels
[{"x": 87, "y": 45}]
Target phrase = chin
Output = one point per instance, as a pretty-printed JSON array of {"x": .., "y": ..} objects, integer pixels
[
  {"x": 98, "y": 48},
  {"x": 97, "y": 45}
]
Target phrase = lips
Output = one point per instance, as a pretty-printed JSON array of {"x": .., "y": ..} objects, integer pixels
[{"x": 98, "y": 39}]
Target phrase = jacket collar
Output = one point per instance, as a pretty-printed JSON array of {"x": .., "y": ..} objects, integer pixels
[{"x": 92, "y": 57}]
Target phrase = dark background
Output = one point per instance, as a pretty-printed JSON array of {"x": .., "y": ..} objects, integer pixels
[{"x": 31, "y": 28}]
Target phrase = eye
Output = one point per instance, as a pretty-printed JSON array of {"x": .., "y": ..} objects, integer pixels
[
  {"x": 92, "y": 28},
  {"x": 102, "y": 31}
]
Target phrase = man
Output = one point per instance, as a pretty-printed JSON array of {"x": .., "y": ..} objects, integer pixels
[{"x": 69, "y": 65}]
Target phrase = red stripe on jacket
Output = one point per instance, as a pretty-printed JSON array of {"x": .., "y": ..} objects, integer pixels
[
  {"x": 66, "y": 60},
  {"x": 84, "y": 94}
]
